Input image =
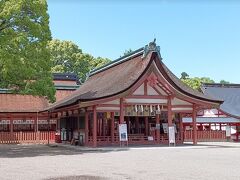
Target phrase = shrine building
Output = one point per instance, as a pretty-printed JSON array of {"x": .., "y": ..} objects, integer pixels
[{"x": 138, "y": 90}]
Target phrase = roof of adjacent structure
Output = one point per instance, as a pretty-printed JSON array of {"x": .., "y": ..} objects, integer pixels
[
  {"x": 65, "y": 76},
  {"x": 121, "y": 74},
  {"x": 230, "y": 93},
  {"x": 21, "y": 103}
]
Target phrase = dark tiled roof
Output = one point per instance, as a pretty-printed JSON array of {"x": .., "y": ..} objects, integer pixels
[
  {"x": 66, "y": 77},
  {"x": 230, "y": 93}
]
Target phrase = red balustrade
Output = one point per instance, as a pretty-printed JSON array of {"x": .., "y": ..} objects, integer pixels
[
  {"x": 26, "y": 137},
  {"x": 205, "y": 135}
]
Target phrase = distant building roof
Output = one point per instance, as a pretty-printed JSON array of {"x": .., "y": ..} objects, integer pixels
[
  {"x": 66, "y": 77},
  {"x": 230, "y": 93},
  {"x": 21, "y": 103}
]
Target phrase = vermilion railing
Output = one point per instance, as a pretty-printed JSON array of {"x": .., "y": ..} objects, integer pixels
[
  {"x": 205, "y": 135},
  {"x": 132, "y": 139},
  {"x": 26, "y": 137}
]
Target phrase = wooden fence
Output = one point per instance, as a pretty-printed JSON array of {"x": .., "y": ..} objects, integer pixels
[
  {"x": 206, "y": 136},
  {"x": 40, "y": 137}
]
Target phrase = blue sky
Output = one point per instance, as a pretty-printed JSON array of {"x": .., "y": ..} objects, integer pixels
[{"x": 201, "y": 38}]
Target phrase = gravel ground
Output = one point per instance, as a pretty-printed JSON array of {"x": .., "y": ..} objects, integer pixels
[{"x": 202, "y": 162}]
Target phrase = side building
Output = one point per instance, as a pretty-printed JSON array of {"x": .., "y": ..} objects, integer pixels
[
  {"x": 19, "y": 114},
  {"x": 218, "y": 124}
]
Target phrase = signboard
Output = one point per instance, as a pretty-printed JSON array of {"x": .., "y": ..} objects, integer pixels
[
  {"x": 4, "y": 121},
  {"x": 158, "y": 126},
  {"x": 171, "y": 135},
  {"x": 123, "y": 132},
  {"x": 165, "y": 127},
  {"x": 150, "y": 138},
  {"x": 23, "y": 121},
  {"x": 228, "y": 131}
]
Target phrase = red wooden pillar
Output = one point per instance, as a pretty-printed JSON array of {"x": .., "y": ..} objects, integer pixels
[
  {"x": 11, "y": 127},
  {"x": 194, "y": 124},
  {"x": 35, "y": 124},
  {"x": 169, "y": 104},
  {"x": 220, "y": 126},
  {"x": 137, "y": 124},
  {"x": 157, "y": 129},
  {"x": 121, "y": 111},
  {"x": 146, "y": 126},
  {"x": 112, "y": 127},
  {"x": 169, "y": 108},
  {"x": 181, "y": 127},
  {"x": 86, "y": 127},
  {"x": 94, "y": 126}
]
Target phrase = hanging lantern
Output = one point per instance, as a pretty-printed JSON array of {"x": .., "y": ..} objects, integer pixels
[
  {"x": 151, "y": 109},
  {"x": 158, "y": 111},
  {"x": 136, "y": 108}
]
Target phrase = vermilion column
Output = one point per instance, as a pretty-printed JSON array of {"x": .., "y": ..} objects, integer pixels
[
  {"x": 146, "y": 126},
  {"x": 11, "y": 125},
  {"x": 169, "y": 107},
  {"x": 121, "y": 111},
  {"x": 194, "y": 124},
  {"x": 137, "y": 123},
  {"x": 158, "y": 130},
  {"x": 169, "y": 112},
  {"x": 86, "y": 127},
  {"x": 112, "y": 127},
  {"x": 94, "y": 126},
  {"x": 181, "y": 127}
]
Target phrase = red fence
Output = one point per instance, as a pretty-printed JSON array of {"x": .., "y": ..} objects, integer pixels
[
  {"x": 133, "y": 139},
  {"x": 206, "y": 135},
  {"x": 26, "y": 137}
]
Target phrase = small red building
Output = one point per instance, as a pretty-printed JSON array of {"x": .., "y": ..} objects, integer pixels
[
  {"x": 137, "y": 91},
  {"x": 218, "y": 124},
  {"x": 20, "y": 114}
]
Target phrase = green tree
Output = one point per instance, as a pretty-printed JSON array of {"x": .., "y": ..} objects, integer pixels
[
  {"x": 24, "y": 58},
  {"x": 196, "y": 82},
  {"x": 224, "y": 82},
  {"x": 68, "y": 57},
  {"x": 126, "y": 52},
  {"x": 184, "y": 75}
]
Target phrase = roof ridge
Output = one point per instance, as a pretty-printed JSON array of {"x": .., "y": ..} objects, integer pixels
[
  {"x": 116, "y": 61},
  {"x": 232, "y": 85}
]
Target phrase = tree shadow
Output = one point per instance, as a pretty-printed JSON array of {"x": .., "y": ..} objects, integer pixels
[{"x": 21, "y": 151}]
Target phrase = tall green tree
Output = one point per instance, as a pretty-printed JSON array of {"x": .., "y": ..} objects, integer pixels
[
  {"x": 224, "y": 82},
  {"x": 68, "y": 57},
  {"x": 195, "y": 82},
  {"x": 24, "y": 59},
  {"x": 184, "y": 75}
]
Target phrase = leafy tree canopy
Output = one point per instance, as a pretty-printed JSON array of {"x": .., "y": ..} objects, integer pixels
[
  {"x": 67, "y": 57},
  {"x": 196, "y": 82},
  {"x": 224, "y": 82},
  {"x": 24, "y": 59},
  {"x": 126, "y": 52}
]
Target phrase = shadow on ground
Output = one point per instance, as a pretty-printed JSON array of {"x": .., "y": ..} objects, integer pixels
[
  {"x": 21, "y": 151},
  {"x": 84, "y": 177}
]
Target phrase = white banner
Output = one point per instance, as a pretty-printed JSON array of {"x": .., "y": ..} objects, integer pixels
[
  {"x": 171, "y": 135},
  {"x": 123, "y": 132},
  {"x": 228, "y": 131}
]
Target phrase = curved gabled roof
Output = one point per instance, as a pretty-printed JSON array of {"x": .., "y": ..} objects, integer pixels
[
  {"x": 230, "y": 93},
  {"x": 121, "y": 75}
]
